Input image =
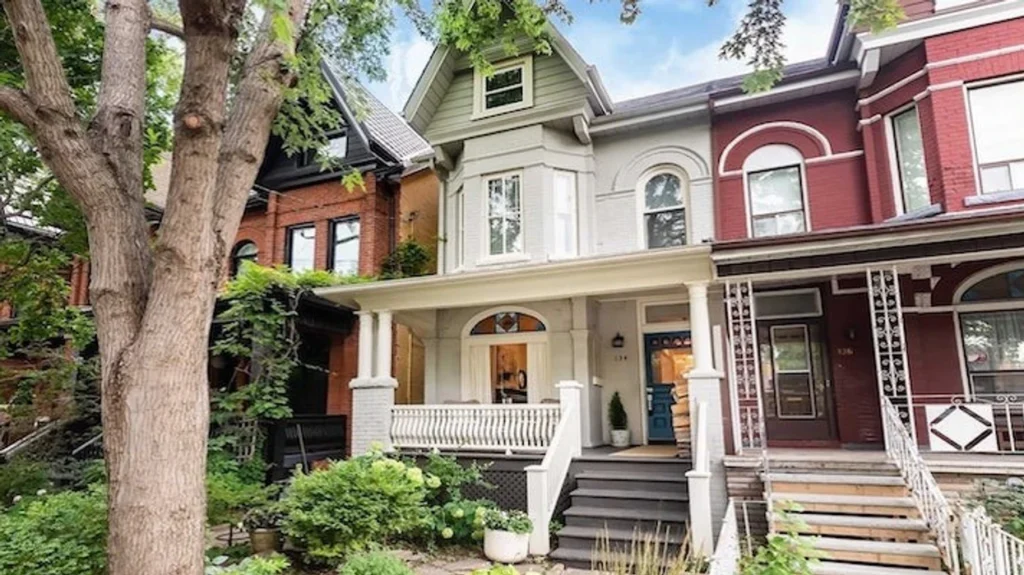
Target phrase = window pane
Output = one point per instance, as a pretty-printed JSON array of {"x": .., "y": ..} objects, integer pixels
[
  {"x": 302, "y": 244},
  {"x": 663, "y": 191},
  {"x": 997, "y": 121},
  {"x": 789, "y": 223},
  {"x": 910, "y": 158},
  {"x": 789, "y": 348},
  {"x": 666, "y": 229},
  {"x": 346, "y": 247},
  {"x": 764, "y": 227},
  {"x": 497, "y": 236},
  {"x": 999, "y": 287},
  {"x": 1000, "y": 383},
  {"x": 773, "y": 305},
  {"x": 565, "y": 213},
  {"x": 775, "y": 191},
  {"x": 794, "y": 394},
  {"x": 512, "y": 193},
  {"x": 993, "y": 341},
  {"x": 337, "y": 147},
  {"x": 495, "y": 198},
  {"x": 513, "y": 235},
  {"x": 1017, "y": 175},
  {"x": 669, "y": 312},
  {"x": 504, "y": 98},
  {"x": 505, "y": 78},
  {"x": 995, "y": 179}
]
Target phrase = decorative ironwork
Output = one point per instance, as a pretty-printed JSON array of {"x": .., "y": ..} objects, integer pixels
[
  {"x": 745, "y": 380},
  {"x": 890, "y": 342}
]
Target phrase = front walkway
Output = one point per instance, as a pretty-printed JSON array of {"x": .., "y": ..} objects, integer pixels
[{"x": 464, "y": 563}]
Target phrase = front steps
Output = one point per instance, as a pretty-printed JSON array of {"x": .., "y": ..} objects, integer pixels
[
  {"x": 858, "y": 516},
  {"x": 623, "y": 497}
]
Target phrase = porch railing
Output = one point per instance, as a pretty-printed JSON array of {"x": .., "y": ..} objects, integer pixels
[
  {"x": 987, "y": 548},
  {"x": 699, "y": 484},
  {"x": 975, "y": 423},
  {"x": 726, "y": 560},
  {"x": 519, "y": 428},
  {"x": 931, "y": 502}
]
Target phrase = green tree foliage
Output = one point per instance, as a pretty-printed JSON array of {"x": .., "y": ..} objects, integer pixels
[
  {"x": 375, "y": 563},
  {"x": 60, "y": 534}
]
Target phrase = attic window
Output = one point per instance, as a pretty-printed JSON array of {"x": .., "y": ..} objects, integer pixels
[
  {"x": 337, "y": 147},
  {"x": 510, "y": 88}
]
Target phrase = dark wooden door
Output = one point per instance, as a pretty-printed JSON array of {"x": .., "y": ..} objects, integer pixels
[{"x": 795, "y": 381}]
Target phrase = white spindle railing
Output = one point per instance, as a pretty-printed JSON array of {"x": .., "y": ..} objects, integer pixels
[
  {"x": 987, "y": 548},
  {"x": 544, "y": 481},
  {"x": 699, "y": 484},
  {"x": 508, "y": 428},
  {"x": 932, "y": 504},
  {"x": 726, "y": 560}
]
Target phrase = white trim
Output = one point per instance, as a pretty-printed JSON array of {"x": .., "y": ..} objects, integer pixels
[
  {"x": 803, "y": 188},
  {"x": 940, "y": 24},
  {"x": 975, "y": 57},
  {"x": 982, "y": 275},
  {"x": 834, "y": 157},
  {"x": 967, "y": 87},
  {"x": 895, "y": 175},
  {"x": 641, "y": 201},
  {"x": 809, "y": 371},
  {"x": 846, "y": 78},
  {"x": 890, "y": 89},
  {"x": 469, "y": 325},
  {"x": 469, "y": 341},
  {"x": 813, "y": 132},
  {"x": 480, "y": 109},
  {"x": 486, "y": 257}
]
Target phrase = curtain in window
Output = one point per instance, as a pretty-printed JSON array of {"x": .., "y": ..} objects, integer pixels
[{"x": 994, "y": 350}]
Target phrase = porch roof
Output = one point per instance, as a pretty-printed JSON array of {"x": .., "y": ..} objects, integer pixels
[
  {"x": 593, "y": 275},
  {"x": 946, "y": 238}
]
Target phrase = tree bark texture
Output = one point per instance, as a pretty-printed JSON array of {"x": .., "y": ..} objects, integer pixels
[{"x": 153, "y": 298}]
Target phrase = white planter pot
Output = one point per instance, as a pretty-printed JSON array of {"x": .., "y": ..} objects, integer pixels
[
  {"x": 620, "y": 438},
  {"x": 505, "y": 546}
]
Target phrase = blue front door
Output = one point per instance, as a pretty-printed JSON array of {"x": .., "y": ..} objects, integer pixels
[{"x": 668, "y": 357}]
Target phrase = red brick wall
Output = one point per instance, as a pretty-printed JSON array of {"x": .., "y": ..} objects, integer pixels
[{"x": 836, "y": 187}]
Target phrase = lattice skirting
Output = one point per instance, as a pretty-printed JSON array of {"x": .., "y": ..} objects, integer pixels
[{"x": 506, "y": 474}]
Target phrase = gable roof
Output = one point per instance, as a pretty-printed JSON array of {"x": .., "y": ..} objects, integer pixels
[{"x": 443, "y": 55}]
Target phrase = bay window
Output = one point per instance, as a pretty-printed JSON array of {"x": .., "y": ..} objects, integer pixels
[
  {"x": 997, "y": 120},
  {"x": 505, "y": 214}
]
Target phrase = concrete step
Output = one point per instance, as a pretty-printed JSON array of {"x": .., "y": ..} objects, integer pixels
[
  {"x": 631, "y": 481},
  {"x": 849, "y": 504},
  {"x": 795, "y": 464},
  {"x": 923, "y": 555},
  {"x": 881, "y": 485},
  {"x": 834, "y": 568},
  {"x": 864, "y": 527}
]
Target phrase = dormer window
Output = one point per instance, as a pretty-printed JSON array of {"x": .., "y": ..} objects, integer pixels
[
  {"x": 337, "y": 147},
  {"x": 509, "y": 88}
]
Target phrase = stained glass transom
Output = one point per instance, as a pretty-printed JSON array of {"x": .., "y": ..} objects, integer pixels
[{"x": 508, "y": 322}]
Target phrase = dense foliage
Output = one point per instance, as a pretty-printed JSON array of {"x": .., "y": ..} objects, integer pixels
[
  {"x": 1004, "y": 502},
  {"x": 255, "y": 565},
  {"x": 233, "y": 488},
  {"x": 374, "y": 563},
  {"x": 512, "y": 521},
  {"x": 20, "y": 478},
  {"x": 59, "y": 534}
]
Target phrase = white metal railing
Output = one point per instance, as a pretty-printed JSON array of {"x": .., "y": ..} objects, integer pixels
[
  {"x": 544, "y": 481},
  {"x": 987, "y": 548},
  {"x": 997, "y": 421},
  {"x": 525, "y": 428},
  {"x": 726, "y": 560},
  {"x": 931, "y": 502}
]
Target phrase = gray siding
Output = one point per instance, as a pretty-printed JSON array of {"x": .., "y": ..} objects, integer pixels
[{"x": 555, "y": 86}]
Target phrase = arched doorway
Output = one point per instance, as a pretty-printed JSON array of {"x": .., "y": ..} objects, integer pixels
[{"x": 506, "y": 357}]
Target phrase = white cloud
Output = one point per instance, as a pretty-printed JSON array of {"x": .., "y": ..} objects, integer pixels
[{"x": 408, "y": 57}]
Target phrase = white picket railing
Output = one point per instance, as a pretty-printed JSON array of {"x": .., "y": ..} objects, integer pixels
[
  {"x": 987, "y": 548},
  {"x": 544, "y": 482},
  {"x": 520, "y": 428},
  {"x": 726, "y": 560},
  {"x": 931, "y": 502}
]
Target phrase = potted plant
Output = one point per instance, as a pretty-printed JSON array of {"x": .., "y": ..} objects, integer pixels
[
  {"x": 263, "y": 523},
  {"x": 506, "y": 535},
  {"x": 619, "y": 421}
]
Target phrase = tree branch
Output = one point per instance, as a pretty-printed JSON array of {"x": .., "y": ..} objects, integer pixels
[
  {"x": 17, "y": 105},
  {"x": 167, "y": 26},
  {"x": 45, "y": 81}
]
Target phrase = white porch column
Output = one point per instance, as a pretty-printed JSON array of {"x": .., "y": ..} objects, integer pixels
[
  {"x": 581, "y": 371},
  {"x": 373, "y": 397},
  {"x": 430, "y": 370},
  {"x": 705, "y": 380}
]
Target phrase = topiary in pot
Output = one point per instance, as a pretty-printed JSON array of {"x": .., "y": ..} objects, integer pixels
[
  {"x": 263, "y": 523},
  {"x": 619, "y": 421}
]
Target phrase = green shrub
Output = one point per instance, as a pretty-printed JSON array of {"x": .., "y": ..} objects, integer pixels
[
  {"x": 255, "y": 565},
  {"x": 375, "y": 563},
  {"x": 352, "y": 504},
  {"x": 457, "y": 522},
  {"x": 514, "y": 521},
  {"x": 617, "y": 417},
  {"x": 60, "y": 534},
  {"x": 1004, "y": 502},
  {"x": 21, "y": 478},
  {"x": 232, "y": 488}
]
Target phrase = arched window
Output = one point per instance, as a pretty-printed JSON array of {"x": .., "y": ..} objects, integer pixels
[
  {"x": 507, "y": 322},
  {"x": 991, "y": 313},
  {"x": 775, "y": 191},
  {"x": 243, "y": 252},
  {"x": 664, "y": 209}
]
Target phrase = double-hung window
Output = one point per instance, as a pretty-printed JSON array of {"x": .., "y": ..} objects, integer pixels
[
  {"x": 566, "y": 233},
  {"x": 908, "y": 151},
  {"x": 345, "y": 246},
  {"x": 508, "y": 88},
  {"x": 459, "y": 228},
  {"x": 664, "y": 217},
  {"x": 505, "y": 214},
  {"x": 301, "y": 247},
  {"x": 997, "y": 122},
  {"x": 776, "y": 202}
]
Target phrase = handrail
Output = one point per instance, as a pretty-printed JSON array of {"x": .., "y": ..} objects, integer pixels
[
  {"x": 726, "y": 559},
  {"x": 699, "y": 485},
  {"x": 7, "y": 452},
  {"x": 988, "y": 549},
  {"x": 932, "y": 504}
]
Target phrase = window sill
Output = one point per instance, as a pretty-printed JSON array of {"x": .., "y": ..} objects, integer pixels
[
  {"x": 483, "y": 114},
  {"x": 994, "y": 198},
  {"x": 503, "y": 259}
]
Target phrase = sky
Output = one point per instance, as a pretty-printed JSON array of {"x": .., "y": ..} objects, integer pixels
[{"x": 673, "y": 43}]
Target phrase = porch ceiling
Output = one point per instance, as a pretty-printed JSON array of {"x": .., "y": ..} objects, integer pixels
[{"x": 600, "y": 275}]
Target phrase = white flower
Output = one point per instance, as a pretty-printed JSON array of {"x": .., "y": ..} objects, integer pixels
[
  {"x": 40, "y": 493},
  {"x": 17, "y": 498}
]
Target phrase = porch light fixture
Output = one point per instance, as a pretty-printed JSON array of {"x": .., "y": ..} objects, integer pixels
[{"x": 618, "y": 341}]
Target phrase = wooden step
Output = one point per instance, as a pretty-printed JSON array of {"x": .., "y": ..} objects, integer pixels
[
  {"x": 923, "y": 555},
  {"x": 864, "y": 527},
  {"x": 880, "y": 485},
  {"x": 849, "y": 504},
  {"x": 835, "y": 568}
]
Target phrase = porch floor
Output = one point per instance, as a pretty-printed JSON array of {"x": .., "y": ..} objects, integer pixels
[{"x": 634, "y": 452}]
